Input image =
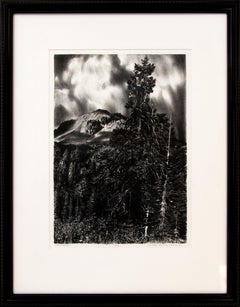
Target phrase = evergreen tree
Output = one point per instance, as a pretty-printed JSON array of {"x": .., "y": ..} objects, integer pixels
[{"x": 140, "y": 86}]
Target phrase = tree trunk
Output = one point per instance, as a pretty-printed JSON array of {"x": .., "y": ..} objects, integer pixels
[
  {"x": 65, "y": 206},
  {"x": 164, "y": 194},
  {"x": 76, "y": 209},
  {"x": 176, "y": 231},
  {"x": 139, "y": 125},
  {"x": 129, "y": 206},
  {"x": 70, "y": 207},
  {"x": 146, "y": 227}
]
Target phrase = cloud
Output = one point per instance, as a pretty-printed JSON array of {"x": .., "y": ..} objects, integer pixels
[
  {"x": 92, "y": 83},
  {"x": 84, "y": 83}
]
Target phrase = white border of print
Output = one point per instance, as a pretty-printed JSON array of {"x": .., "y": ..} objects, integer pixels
[{"x": 196, "y": 267}]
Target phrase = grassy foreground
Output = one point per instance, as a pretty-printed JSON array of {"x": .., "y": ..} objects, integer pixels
[{"x": 97, "y": 230}]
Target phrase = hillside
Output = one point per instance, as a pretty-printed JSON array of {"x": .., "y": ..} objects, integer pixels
[{"x": 94, "y": 127}]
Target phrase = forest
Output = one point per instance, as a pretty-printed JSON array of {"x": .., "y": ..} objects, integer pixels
[{"x": 124, "y": 179}]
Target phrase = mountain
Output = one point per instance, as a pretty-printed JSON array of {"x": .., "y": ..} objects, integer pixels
[{"x": 94, "y": 127}]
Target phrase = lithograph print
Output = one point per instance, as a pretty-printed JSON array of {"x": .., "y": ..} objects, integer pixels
[{"x": 120, "y": 148}]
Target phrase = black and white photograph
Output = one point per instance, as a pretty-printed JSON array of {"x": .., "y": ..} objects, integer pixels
[{"x": 120, "y": 149}]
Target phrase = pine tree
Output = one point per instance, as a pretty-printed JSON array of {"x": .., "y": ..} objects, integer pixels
[{"x": 140, "y": 86}]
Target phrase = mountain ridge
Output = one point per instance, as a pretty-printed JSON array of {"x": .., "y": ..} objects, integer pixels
[{"x": 93, "y": 127}]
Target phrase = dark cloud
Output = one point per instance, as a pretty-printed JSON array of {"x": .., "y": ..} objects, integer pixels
[
  {"x": 60, "y": 114},
  {"x": 60, "y": 63},
  {"x": 180, "y": 61},
  {"x": 179, "y": 111},
  {"x": 119, "y": 73}
]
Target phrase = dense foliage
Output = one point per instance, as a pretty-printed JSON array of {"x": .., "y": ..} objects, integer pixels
[{"x": 129, "y": 190}]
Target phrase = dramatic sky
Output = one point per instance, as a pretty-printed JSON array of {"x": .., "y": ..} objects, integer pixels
[{"x": 84, "y": 83}]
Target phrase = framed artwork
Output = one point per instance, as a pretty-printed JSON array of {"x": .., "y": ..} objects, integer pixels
[{"x": 120, "y": 153}]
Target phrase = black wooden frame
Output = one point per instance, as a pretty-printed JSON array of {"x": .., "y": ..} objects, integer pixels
[{"x": 10, "y": 7}]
